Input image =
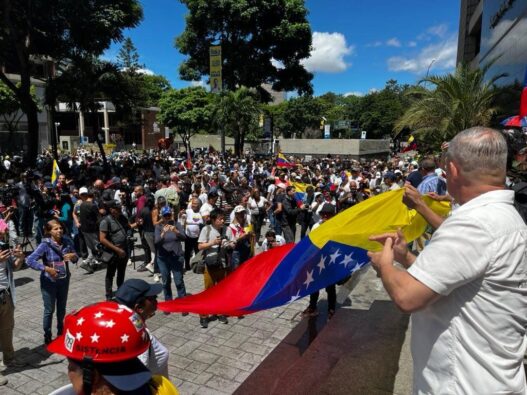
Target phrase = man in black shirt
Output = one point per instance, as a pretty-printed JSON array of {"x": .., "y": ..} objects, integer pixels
[{"x": 88, "y": 218}]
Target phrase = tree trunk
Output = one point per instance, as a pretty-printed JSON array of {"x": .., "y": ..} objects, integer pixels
[{"x": 32, "y": 132}]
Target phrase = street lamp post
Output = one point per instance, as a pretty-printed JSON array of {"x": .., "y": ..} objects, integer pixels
[
  {"x": 56, "y": 140},
  {"x": 428, "y": 69}
]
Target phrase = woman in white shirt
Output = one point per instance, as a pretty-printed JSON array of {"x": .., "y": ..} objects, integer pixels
[
  {"x": 258, "y": 206},
  {"x": 192, "y": 221}
]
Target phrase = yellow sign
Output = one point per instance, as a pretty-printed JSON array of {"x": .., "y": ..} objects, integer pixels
[
  {"x": 108, "y": 148},
  {"x": 215, "y": 69}
]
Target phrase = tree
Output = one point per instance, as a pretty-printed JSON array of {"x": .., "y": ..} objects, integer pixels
[
  {"x": 62, "y": 30},
  {"x": 459, "y": 100},
  {"x": 154, "y": 86},
  {"x": 128, "y": 58},
  {"x": 10, "y": 108},
  {"x": 296, "y": 115},
  {"x": 260, "y": 43},
  {"x": 237, "y": 113},
  {"x": 187, "y": 111}
]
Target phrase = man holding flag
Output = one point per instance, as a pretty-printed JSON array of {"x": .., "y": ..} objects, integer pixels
[{"x": 467, "y": 290}]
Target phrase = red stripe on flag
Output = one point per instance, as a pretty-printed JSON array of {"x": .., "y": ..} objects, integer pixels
[{"x": 237, "y": 291}]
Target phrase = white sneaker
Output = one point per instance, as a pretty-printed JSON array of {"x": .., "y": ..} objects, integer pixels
[
  {"x": 157, "y": 279},
  {"x": 3, "y": 380},
  {"x": 129, "y": 263},
  {"x": 150, "y": 267}
]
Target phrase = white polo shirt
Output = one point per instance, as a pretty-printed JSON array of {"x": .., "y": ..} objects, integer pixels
[{"x": 472, "y": 340}]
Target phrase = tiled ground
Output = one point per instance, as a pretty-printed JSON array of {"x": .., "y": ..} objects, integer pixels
[{"x": 202, "y": 361}]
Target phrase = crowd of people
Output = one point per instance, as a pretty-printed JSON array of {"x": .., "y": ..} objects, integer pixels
[{"x": 219, "y": 208}]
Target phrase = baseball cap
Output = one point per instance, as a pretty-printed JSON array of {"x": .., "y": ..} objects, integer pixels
[
  {"x": 113, "y": 204},
  {"x": 166, "y": 211},
  {"x": 83, "y": 190},
  {"x": 390, "y": 176},
  {"x": 239, "y": 209},
  {"x": 126, "y": 375},
  {"x": 327, "y": 209},
  {"x": 133, "y": 289}
]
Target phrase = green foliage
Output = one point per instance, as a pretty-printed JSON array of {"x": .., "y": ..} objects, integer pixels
[
  {"x": 10, "y": 106},
  {"x": 128, "y": 58},
  {"x": 62, "y": 30},
  {"x": 154, "y": 86},
  {"x": 457, "y": 101},
  {"x": 238, "y": 113},
  {"x": 252, "y": 35},
  {"x": 187, "y": 111},
  {"x": 296, "y": 115}
]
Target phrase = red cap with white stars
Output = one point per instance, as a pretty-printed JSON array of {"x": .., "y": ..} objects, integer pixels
[{"x": 105, "y": 332}]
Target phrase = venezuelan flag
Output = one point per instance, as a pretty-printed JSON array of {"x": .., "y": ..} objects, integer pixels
[
  {"x": 334, "y": 250},
  {"x": 300, "y": 191},
  {"x": 281, "y": 161},
  {"x": 55, "y": 172}
]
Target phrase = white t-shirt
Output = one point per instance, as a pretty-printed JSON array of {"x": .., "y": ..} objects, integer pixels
[
  {"x": 192, "y": 223},
  {"x": 156, "y": 357},
  {"x": 279, "y": 239},
  {"x": 472, "y": 340},
  {"x": 206, "y": 209},
  {"x": 254, "y": 205}
]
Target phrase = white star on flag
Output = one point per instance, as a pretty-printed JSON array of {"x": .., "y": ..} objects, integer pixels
[
  {"x": 98, "y": 315},
  {"x": 80, "y": 321},
  {"x": 124, "y": 338},
  {"x": 78, "y": 336},
  {"x": 295, "y": 297},
  {"x": 95, "y": 338},
  {"x": 110, "y": 324},
  {"x": 347, "y": 259},
  {"x": 357, "y": 267},
  {"x": 334, "y": 257},
  {"x": 309, "y": 279},
  {"x": 321, "y": 264}
]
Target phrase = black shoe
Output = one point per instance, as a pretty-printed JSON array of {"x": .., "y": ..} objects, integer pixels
[
  {"x": 223, "y": 319},
  {"x": 47, "y": 339},
  {"x": 142, "y": 268},
  {"x": 204, "y": 322},
  {"x": 86, "y": 266},
  {"x": 184, "y": 314}
]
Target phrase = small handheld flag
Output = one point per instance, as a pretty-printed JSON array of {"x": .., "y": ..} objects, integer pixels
[
  {"x": 55, "y": 172},
  {"x": 281, "y": 161}
]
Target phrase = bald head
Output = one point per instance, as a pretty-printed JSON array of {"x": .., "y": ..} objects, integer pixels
[{"x": 480, "y": 153}]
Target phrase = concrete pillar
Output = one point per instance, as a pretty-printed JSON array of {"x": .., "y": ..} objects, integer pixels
[
  {"x": 106, "y": 127},
  {"x": 81, "y": 124}
]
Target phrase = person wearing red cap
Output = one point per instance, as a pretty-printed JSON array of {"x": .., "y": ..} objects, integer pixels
[{"x": 102, "y": 342}]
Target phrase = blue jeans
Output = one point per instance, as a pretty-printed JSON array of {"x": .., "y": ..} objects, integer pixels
[
  {"x": 54, "y": 294},
  {"x": 174, "y": 265}
]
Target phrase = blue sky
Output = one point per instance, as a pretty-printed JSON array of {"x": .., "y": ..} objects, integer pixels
[{"x": 357, "y": 44}]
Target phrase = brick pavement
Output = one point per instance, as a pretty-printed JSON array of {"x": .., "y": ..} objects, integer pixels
[{"x": 202, "y": 361}]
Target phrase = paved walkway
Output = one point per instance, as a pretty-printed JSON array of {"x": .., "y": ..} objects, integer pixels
[{"x": 202, "y": 361}]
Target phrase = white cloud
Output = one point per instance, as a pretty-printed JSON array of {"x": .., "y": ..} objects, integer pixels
[
  {"x": 140, "y": 71},
  {"x": 145, "y": 71},
  {"x": 438, "y": 30},
  {"x": 412, "y": 44},
  {"x": 327, "y": 55},
  {"x": 435, "y": 56},
  {"x": 374, "y": 44},
  {"x": 200, "y": 83},
  {"x": 276, "y": 63},
  {"x": 355, "y": 93},
  {"x": 393, "y": 42}
]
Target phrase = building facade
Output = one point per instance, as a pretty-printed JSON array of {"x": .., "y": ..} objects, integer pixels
[{"x": 495, "y": 30}]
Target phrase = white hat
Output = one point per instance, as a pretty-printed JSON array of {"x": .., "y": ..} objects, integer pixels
[
  {"x": 239, "y": 209},
  {"x": 83, "y": 190}
]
